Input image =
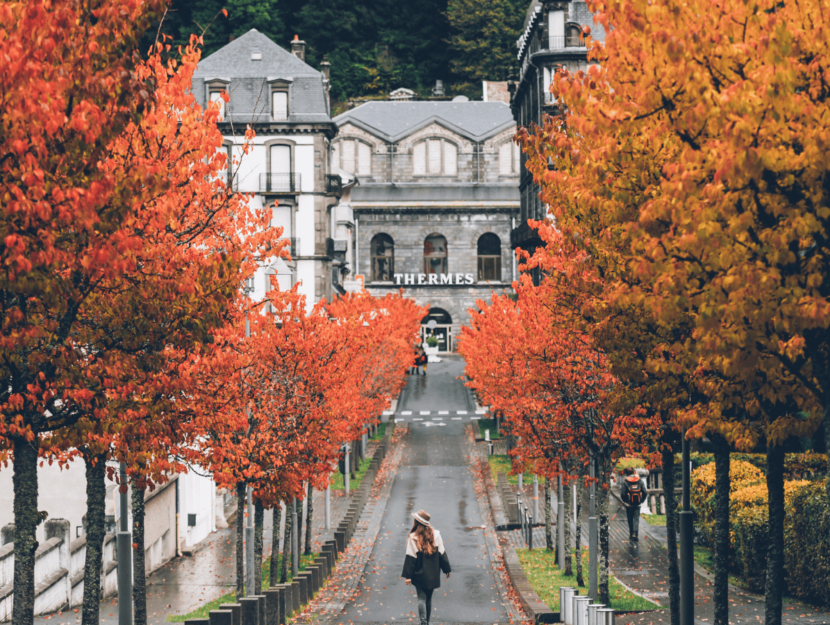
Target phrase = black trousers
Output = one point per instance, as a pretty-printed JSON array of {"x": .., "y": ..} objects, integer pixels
[
  {"x": 424, "y": 604},
  {"x": 633, "y": 515}
]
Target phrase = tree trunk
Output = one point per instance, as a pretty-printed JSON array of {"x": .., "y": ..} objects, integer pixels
[
  {"x": 96, "y": 499},
  {"x": 286, "y": 543},
  {"x": 721, "y": 586},
  {"x": 566, "y": 495},
  {"x": 548, "y": 517},
  {"x": 259, "y": 521},
  {"x": 139, "y": 580},
  {"x": 274, "y": 577},
  {"x": 604, "y": 542},
  {"x": 299, "y": 528},
  {"x": 671, "y": 534},
  {"x": 25, "y": 529},
  {"x": 308, "y": 519},
  {"x": 240, "y": 539},
  {"x": 774, "y": 585},
  {"x": 580, "y": 580}
]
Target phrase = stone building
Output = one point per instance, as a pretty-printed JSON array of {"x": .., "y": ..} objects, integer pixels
[
  {"x": 551, "y": 40},
  {"x": 435, "y": 202},
  {"x": 286, "y": 102}
]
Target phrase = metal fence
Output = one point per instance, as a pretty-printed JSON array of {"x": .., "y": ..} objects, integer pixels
[{"x": 279, "y": 183}]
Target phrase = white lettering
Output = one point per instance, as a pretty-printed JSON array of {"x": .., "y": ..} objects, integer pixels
[
  {"x": 459, "y": 278},
  {"x": 433, "y": 278},
  {"x": 398, "y": 277},
  {"x": 421, "y": 278},
  {"x": 409, "y": 278},
  {"x": 469, "y": 278},
  {"x": 446, "y": 278}
]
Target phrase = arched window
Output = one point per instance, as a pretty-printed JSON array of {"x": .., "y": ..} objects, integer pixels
[
  {"x": 510, "y": 155},
  {"x": 435, "y": 255},
  {"x": 489, "y": 257},
  {"x": 353, "y": 156},
  {"x": 383, "y": 258}
]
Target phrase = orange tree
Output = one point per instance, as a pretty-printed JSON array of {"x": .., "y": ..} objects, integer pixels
[
  {"x": 535, "y": 360},
  {"x": 693, "y": 158}
]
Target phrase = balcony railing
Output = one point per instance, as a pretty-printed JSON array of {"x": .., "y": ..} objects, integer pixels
[
  {"x": 557, "y": 42},
  {"x": 279, "y": 183}
]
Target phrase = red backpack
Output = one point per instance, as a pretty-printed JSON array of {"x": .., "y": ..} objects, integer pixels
[{"x": 634, "y": 493}]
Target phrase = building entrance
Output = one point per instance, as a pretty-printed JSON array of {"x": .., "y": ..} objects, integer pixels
[{"x": 442, "y": 329}]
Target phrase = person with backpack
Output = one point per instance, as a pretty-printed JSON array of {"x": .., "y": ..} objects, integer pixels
[
  {"x": 633, "y": 494},
  {"x": 425, "y": 560}
]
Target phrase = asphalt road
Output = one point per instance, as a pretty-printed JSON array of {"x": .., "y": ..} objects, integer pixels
[{"x": 433, "y": 475}]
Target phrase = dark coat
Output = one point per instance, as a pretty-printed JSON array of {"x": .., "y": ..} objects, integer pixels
[{"x": 425, "y": 571}]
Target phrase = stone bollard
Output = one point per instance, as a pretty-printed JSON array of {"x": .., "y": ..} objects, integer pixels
[
  {"x": 220, "y": 617},
  {"x": 272, "y": 605},
  {"x": 263, "y": 607},
  {"x": 302, "y": 582},
  {"x": 197, "y": 621},
  {"x": 250, "y": 610},
  {"x": 236, "y": 610}
]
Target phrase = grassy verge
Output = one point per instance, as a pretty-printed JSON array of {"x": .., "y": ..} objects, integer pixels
[
  {"x": 381, "y": 432},
  {"x": 540, "y": 567},
  {"x": 337, "y": 482},
  {"x": 501, "y": 462},
  {"x": 488, "y": 424},
  {"x": 655, "y": 520},
  {"x": 204, "y": 611}
]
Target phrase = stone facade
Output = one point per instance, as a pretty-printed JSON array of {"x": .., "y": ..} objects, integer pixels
[{"x": 460, "y": 200}]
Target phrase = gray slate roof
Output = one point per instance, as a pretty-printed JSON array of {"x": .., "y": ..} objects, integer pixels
[
  {"x": 249, "y": 91},
  {"x": 393, "y": 121},
  {"x": 391, "y": 193}
]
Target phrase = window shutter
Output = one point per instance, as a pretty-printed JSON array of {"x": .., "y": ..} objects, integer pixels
[
  {"x": 419, "y": 158},
  {"x": 556, "y": 29},
  {"x": 434, "y": 156},
  {"x": 347, "y": 156},
  {"x": 450, "y": 159},
  {"x": 280, "y": 105},
  {"x": 280, "y": 159},
  {"x": 364, "y": 159}
]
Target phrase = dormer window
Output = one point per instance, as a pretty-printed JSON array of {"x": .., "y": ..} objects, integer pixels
[
  {"x": 279, "y": 98},
  {"x": 216, "y": 96}
]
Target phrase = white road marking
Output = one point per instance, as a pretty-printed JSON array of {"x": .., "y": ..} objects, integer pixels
[
  {"x": 414, "y": 419},
  {"x": 437, "y": 418},
  {"x": 425, "y": 412},
  {"x": 484, "y": 411},
  {"x": 474, "y": 418},
  {"x": 406, "y": 412},
  {"x": 443, "y": 412},
  {"x": 456, "y": 418},
  {"x": 460, "y": 412},
  {"x": 388, "y": 413}
]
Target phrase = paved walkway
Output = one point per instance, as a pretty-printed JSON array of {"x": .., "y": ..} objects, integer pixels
[{"x": 434, "y": 474}]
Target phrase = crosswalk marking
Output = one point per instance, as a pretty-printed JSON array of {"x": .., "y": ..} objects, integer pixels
[
  {"x": 406, "y": 412},
  {"x": 456, "y": 418},
  {"x": 443, "y": 412},
  {"x": 474, "y": 418},
  {"x": 437, "y": 418},
  {"x": 460, "y": 412},
  {"x": 414, "y": 419},
  {"x": 484, "y": 411},
  {"x": 424, "y": 412}
]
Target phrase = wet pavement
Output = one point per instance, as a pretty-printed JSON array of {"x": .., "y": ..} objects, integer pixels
[{"x": 433, "y": 475}]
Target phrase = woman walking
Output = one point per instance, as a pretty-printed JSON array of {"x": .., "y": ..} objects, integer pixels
[{"x": 425, "y": 560}]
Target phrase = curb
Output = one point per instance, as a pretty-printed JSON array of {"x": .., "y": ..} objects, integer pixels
[{"x": 537, "y": 609}]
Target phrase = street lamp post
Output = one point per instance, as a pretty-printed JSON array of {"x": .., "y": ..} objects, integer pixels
[
  {"x": 687, "y": 588},
  {"x": 250, "y": 564},
  {"x": 593, "y": 536},
  {"x": 125, "y": 557},
  {"x": 560, "y": 522}
]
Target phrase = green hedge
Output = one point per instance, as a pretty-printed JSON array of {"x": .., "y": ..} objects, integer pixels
[
  {"x": 795, "y": 465},
  {"x": 807, "y": 544}
]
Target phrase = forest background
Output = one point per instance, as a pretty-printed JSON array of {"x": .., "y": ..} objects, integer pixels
[{"x": 374, "y": 46}]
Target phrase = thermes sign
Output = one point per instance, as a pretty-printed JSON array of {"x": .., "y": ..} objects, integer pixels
[{"x": 433, "y": 278}]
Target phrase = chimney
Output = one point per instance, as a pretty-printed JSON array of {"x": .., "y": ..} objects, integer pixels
[
  {"x": 298, "y": 48},
  {"x": 230, "y": 38},
  {"x": 325, "y": 68}
]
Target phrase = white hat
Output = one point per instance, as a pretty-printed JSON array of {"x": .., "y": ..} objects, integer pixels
[{"x": 422, "y": 517}]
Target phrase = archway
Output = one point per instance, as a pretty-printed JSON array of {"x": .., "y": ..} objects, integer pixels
[{"x": 442, "y": 330}]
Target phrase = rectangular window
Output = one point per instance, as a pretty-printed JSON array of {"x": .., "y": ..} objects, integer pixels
[
  {"x": 364, "y": 159},
  {"x": 450, "y": 159},
  {"x": 556, "y": 29},
  {"x": 506, "y": 159},
  {"x": 280, "y": 159},
  {"x": 434, "y": 152},
  {"x": 216, "y": 96},
  {"x": 347, "y": 156},
  {"x": 279, "y": 100},
  {"x": 419, "y": 157}
]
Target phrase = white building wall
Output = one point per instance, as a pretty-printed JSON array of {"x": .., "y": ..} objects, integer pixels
[{"x": 197, "y": 495}]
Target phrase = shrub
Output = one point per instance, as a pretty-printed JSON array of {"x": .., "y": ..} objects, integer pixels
[
  {"x": 703, "y": 491},
  {"x": 807, "y": 543},
  {"x": 804, "y": 465},
  {"x": 749, "y": 539}
]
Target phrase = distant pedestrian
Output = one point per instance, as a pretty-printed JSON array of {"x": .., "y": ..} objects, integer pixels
[
  {"x": 425, "y": 560},
  {"x": 633, "y": 494},
  {"x": 416, "y": 361},
  {"x": 423, "y": 361}
]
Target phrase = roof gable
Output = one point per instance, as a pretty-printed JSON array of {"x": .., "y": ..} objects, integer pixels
[{"x": 234, "y": 60}]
